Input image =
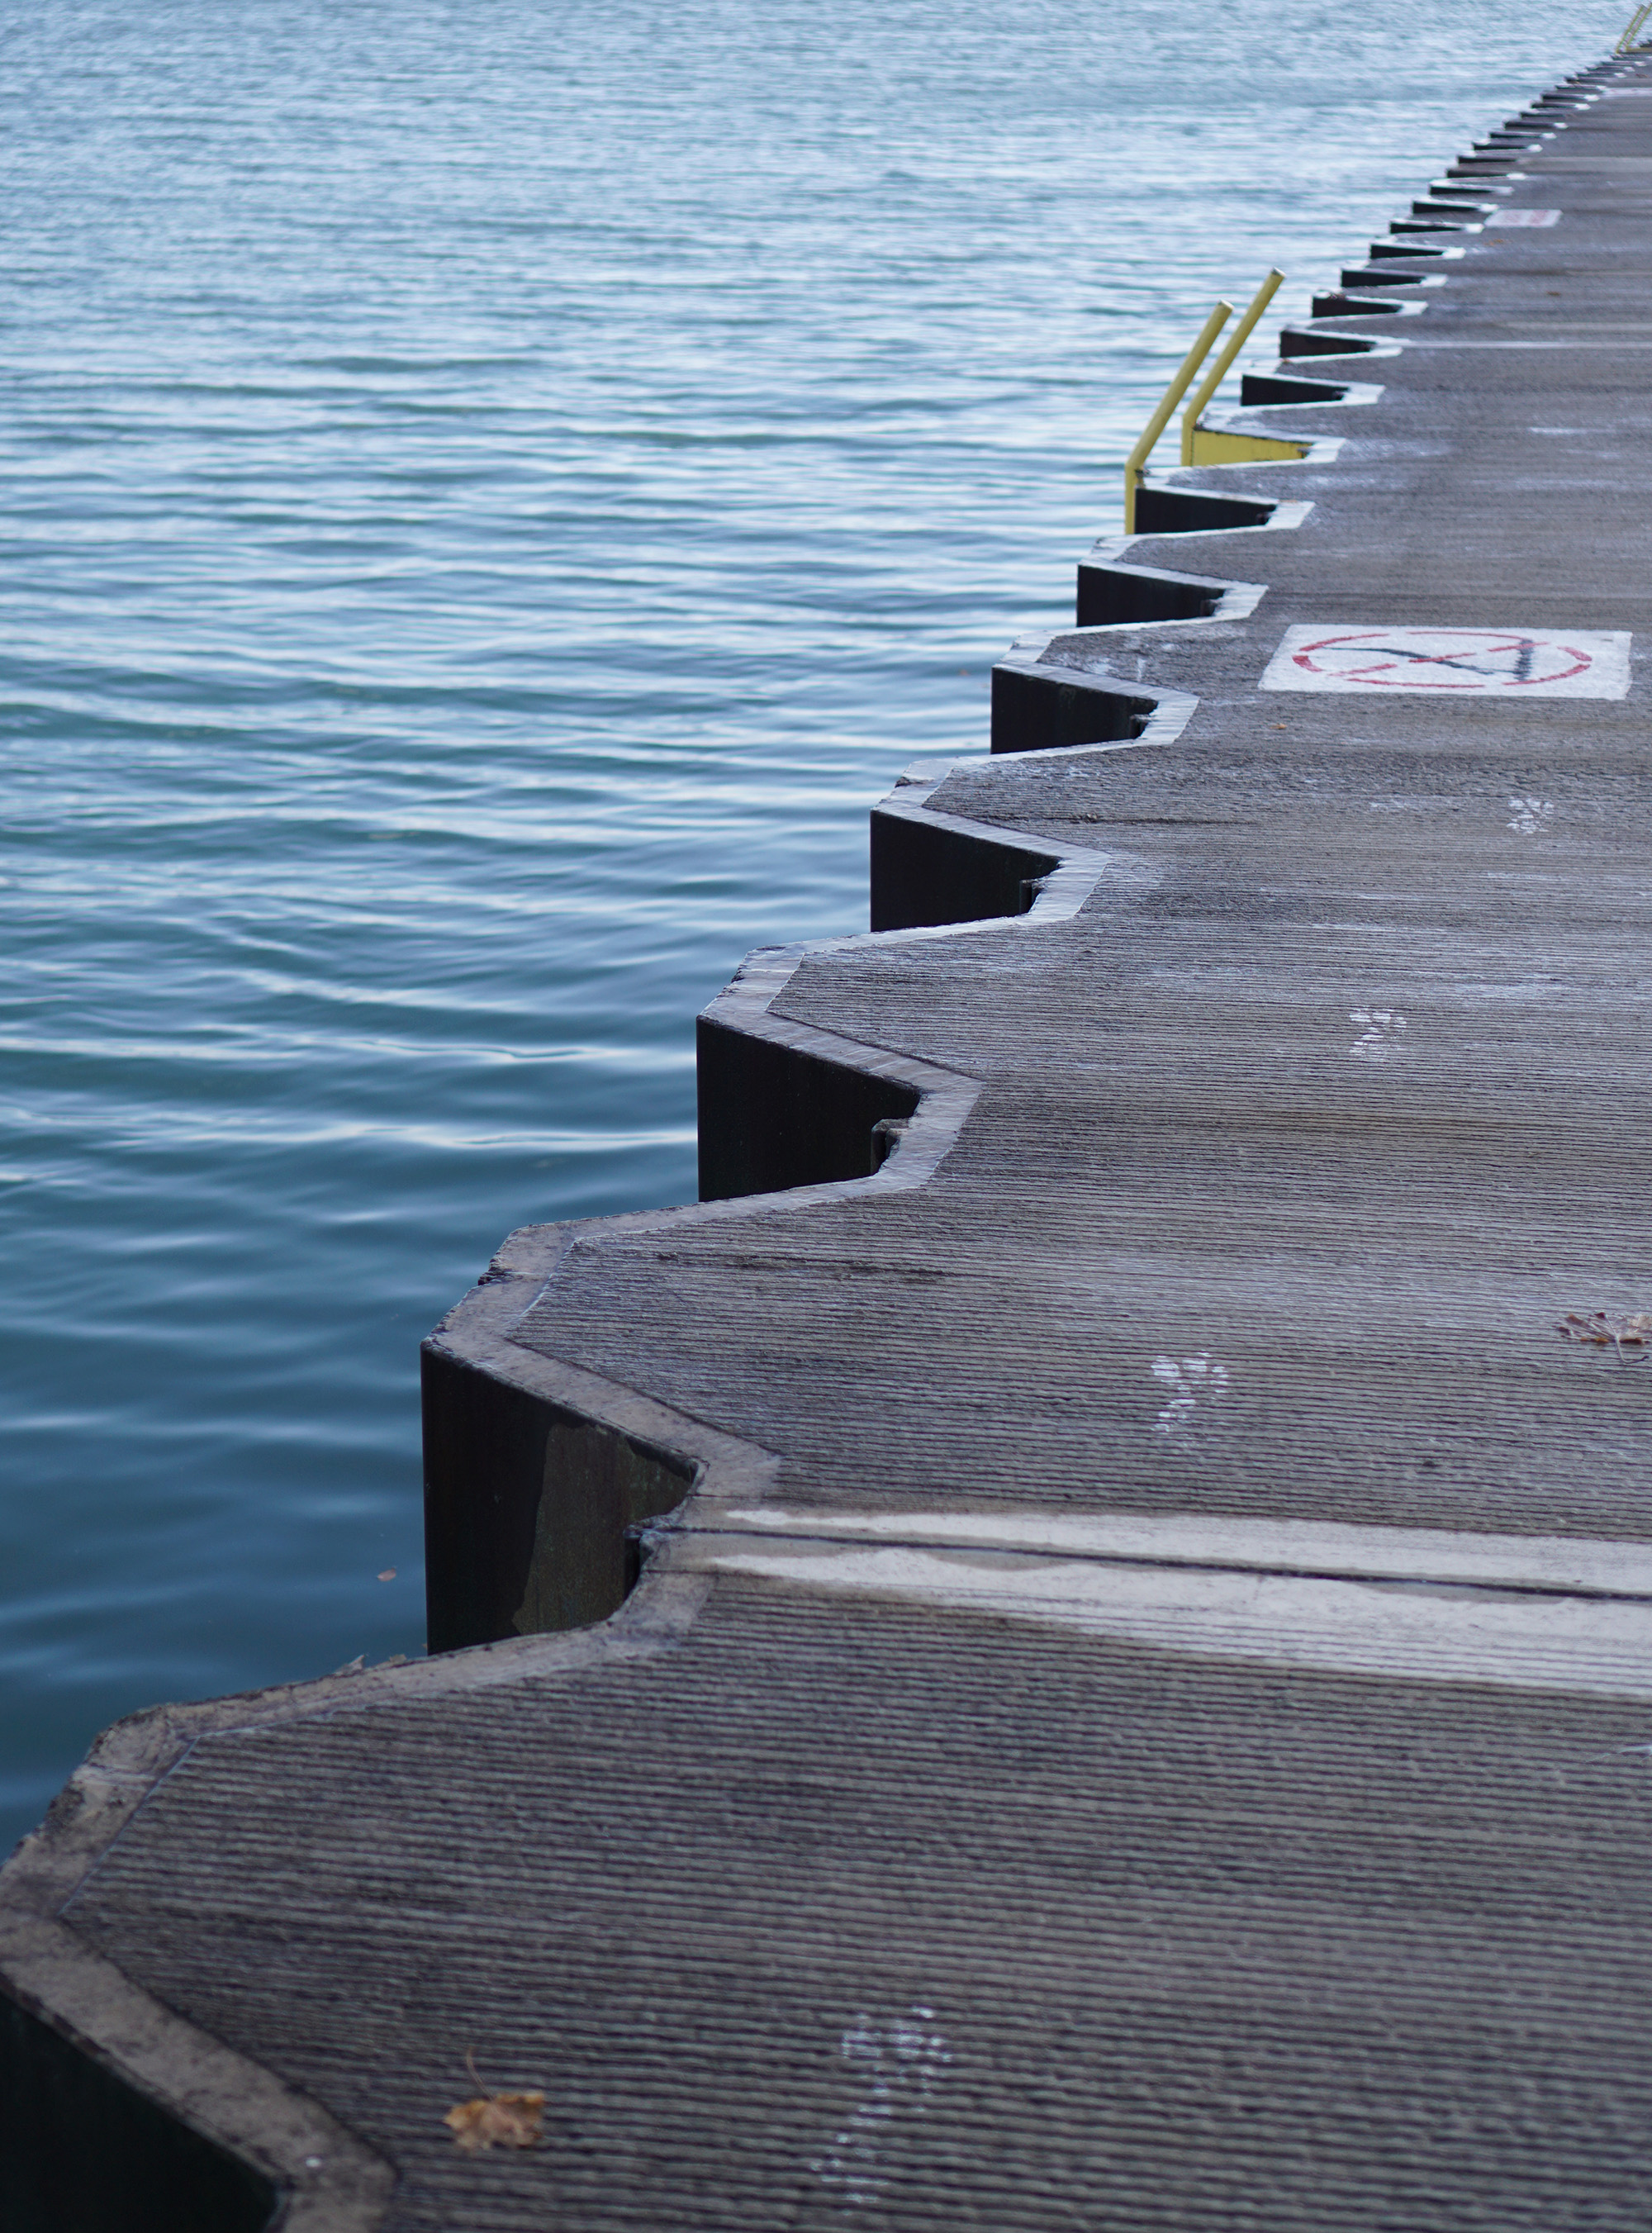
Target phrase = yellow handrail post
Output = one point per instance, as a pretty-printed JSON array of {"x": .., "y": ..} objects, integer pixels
[
  {"x": 1135, "y": 464},
  {"x": 1236, "y": 341},
  {"x": 1636, "y": 25}
]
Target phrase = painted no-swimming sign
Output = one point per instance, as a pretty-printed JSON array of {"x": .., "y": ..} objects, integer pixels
[{"x": 1451, "y": 662}]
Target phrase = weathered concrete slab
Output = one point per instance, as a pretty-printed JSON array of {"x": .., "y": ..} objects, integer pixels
[
  {"x": 837, "y": 1908},
  {"x": 1138, "y": 1705}
]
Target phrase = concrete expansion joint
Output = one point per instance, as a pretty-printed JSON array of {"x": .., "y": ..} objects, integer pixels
[
  {"x": 1560, "y": 1615},
  {"x": 1561, "y": 1567}
]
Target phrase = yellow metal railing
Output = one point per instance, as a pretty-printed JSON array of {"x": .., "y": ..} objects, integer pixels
[
  {"x": 1135, "y": 464},
  {"x": 1236, "y": 341},
  {"x": 1200, "y": 446},
  {"x": 1630, "y": 42}
]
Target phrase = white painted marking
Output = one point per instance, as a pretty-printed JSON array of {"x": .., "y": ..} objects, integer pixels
[
  {"x": 1405, "y": 1632},
  {"x": 1190, "y": 1380},
  {"x": 898, "y": 2062},
  {"x": 1382, "y": 1032},
  {"x": 1524, "y": 217},
  {"x": 1310, "y": 1547},
  {"x": 1463, "y": 662},
  {"x": 1532, "y": 815}
]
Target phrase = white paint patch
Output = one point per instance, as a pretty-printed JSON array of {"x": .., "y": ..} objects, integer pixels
[
  {"x": 1407, "y": 1631},
  {"x": 897, "y": 2063},
  {"x": 1191, "y": 1380},
  {"x": 1530, "y": 815},
  {"x": 1524, "y": 217},
  {"x": 1382, "y": 1032},
  {"x": 1458, "y": 662}
]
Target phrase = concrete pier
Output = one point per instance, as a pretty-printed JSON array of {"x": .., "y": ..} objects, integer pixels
[{"x": 1073, "y": 1647}]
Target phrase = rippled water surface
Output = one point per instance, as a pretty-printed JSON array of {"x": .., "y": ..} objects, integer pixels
[{"x": 493, "y": 495}]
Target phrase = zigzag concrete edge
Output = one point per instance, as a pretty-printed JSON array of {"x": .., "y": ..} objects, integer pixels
[{"x": 326, "y": 2179}]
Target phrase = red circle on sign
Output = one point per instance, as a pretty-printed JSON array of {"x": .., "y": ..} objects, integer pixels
[{"x": 1440, "y": 659}]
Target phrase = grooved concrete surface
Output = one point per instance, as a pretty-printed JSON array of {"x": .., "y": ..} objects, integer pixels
[
  {"x": 896, "y": 1858},
  {"x": 836, "y": 1914}
]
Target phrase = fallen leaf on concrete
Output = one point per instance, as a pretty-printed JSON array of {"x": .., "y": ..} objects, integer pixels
[
  {"x": 1606, "y": 1331},
  {"x": 495, "y": 2120},
  {"x": 501, "y": 2120}
]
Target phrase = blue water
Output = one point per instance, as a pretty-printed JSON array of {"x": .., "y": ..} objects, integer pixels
[{"x": 492, "y": 494}]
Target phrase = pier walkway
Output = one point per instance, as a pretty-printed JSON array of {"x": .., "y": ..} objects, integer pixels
[{"x": 1137, "y": 1709}]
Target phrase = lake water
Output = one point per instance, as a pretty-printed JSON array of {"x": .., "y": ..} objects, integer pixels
[{"x": 492, "y": 494}]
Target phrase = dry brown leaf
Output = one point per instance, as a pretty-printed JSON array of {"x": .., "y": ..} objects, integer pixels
[
  {"x": 1606, "y": 1331},
  {"x": 497, "y": 2120}
]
